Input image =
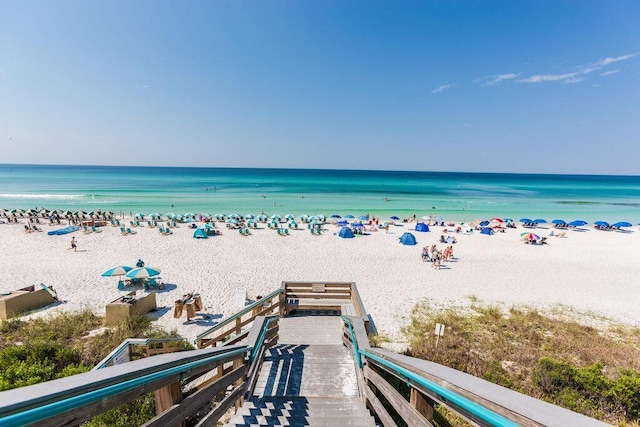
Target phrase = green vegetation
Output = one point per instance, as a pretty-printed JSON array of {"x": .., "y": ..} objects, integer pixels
[
  {"x": 592, "y": 371},
  {"x": 58, "y": 346}
]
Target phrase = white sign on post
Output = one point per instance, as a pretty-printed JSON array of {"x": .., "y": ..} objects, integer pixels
[
  {"x": 439, "y": 332},
  {"x": 240, "y": 298}
]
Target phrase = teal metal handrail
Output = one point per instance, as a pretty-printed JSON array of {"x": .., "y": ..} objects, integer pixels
[
  {"x": 260, "y": 341},
  {"x": 43, "y": 412},
  {"x": 133, "y": 341},
  {"x": 471, "y": 407},
  {"x": 354, "y": 341},
  {"x": 238, "y": 314}
]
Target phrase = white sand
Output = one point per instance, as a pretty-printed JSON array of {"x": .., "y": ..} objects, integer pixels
[{"x": 593, "y": 271}]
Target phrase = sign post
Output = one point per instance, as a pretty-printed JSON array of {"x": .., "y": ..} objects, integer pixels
[{"x": 439, "y": 332}]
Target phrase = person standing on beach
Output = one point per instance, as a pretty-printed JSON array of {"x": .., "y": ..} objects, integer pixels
[{"x": 74, "y": 246}]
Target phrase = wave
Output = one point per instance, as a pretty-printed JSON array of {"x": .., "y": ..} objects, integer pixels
[{"x": 46, "y": 196}]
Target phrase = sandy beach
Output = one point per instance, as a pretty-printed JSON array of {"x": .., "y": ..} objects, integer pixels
[{"x": 589, "y": 270}]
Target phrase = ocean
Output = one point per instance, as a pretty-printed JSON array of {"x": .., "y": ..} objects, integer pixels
[{"x": 453, "y": 196}]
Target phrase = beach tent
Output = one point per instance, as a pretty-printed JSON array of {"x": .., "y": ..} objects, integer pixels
[
  {"x": 487, "y": 231},
  {"x": 408, "y": 239},
  {"x": 422, "y": 227},
  {"x": 346, "y": 233},
  {"x": 200, "y": 233}
]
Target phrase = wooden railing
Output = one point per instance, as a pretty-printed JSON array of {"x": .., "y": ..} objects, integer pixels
[
  {"x": 235, "y": 328},
  {"x": 183, "y": 384},
  {"x": 335, "y": 296},
  {"x": 476, "y": 400},
  {"x": 135, "y": 348}
]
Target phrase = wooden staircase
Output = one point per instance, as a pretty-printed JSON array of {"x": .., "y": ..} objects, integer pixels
[{"x": 307, "y": 379}]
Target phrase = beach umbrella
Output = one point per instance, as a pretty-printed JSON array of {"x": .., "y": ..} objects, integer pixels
[
  {"x": 357, "y": 225},
  {"x": 117, "y": 271},
  {"x": 322, "y": 217},
  {"x": 363, "y": 217},
  {"x": 558, "y": 222},
  {"x": 622, "y": 224},
  {"x": 601, "y": 223},
  {"x": 234, "y": 216},
  {"x": 525, "y": 220},
  {"x": 342, "y": 223},
  {"x": 275, "y": 217},
  {"x": 395, "y": 218},
  {"x": 349, "y": 216},
  {"x": 137, "y": 215},
  {"x": 205, "y": 226},
  {"x": 529, "y": 236},
  {"x": 190, "y": 215},
  {"x": 142, "y": 273},
  {"x": 18, "y": 211},
  {"x": 262, "y": 218},
  {"x": 232, "y": 221},
  {"x": 289, "y": 217},
  {"x": 497, "y": 220},
  {"x": 206, "y": 215},
  {"x": 155, "y": 215},
  {"x": 484, "y": 223},
  {"x": 578, "y": 223},
  {"x": 172, "y": 215},
  {"x": 336, "y": 216},
  {"x": 539, "y": 221},
  {"x": 508, "y": 220},
  {"x": 313, "y": 218},
  {"x": 249, "y": 216}
]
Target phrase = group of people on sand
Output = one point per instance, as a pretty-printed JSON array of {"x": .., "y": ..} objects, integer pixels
[{"x": 436, "y": 256}]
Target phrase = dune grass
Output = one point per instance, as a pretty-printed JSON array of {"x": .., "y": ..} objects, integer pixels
[
  {"x": 551, "y": 356},
  {"x": 60, "y": 345}
]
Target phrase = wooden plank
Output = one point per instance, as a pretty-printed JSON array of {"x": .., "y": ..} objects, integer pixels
[
  {"x": 378, "y": 408},
  {"x": 421, "y": 403},
  {"x": 212, "y": 417},
  {"x": 402, "y": 407},
  {"x": 167, "y": 396}
]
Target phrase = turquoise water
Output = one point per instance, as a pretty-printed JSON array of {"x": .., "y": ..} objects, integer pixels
[{"x": 453, "y": 196}]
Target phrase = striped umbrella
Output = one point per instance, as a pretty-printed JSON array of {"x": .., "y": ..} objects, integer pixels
[
  {"x": 530, "y": 236},
  {"x": 142, "y": 273},
  {"x": 117, "y": 271}
]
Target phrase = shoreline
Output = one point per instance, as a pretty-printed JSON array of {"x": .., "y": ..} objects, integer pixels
[{"x": 589, "y": 271}]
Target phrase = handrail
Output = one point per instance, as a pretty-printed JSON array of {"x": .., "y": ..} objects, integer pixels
[
  {"x": 238, "y": 314},
  {"x": 354, "y": 341},
  {"x": 45, "y": 411},
  {"x": 478, "y": 410},
  {"x": 473, "y": 408},
  {"x": 260, "y": 341}
]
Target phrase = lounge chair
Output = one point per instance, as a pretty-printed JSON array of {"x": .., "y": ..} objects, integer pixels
[
  {"x": 123, "y": 231},
  {"x": 86, "y": 230},
  {"x": 130, "y": 231},
  {"x": 95, "y": 230}
]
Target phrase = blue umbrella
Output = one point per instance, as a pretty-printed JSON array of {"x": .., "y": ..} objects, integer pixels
[
  {"x": 508, "y": 220},
  {"x": 484, "y": 223},
  {"x": 363, "y": 217},
  {"x": 357, "y": 225},
  {"x": 342, "y": 223},
  {"x": 525, "y": 220},
  {"x": 336, "y": 216},
  {"x": 349, "y": 216},
  {"x": 117, "y": 271},
  {"x": 540, "y": 221},
  {"x": 622, "y": 224},
  {"x": 578, "y": 223},
  {"x": 558, "y": 221},
  {"x": 395, "y": 218},
  {"x": 142, "y": 273},
  {"x": 602, "y": 223}
]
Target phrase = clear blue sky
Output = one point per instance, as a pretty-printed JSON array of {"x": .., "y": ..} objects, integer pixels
[{"x": 504, "y": 86}]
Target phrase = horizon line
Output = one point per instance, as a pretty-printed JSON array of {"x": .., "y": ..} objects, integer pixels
[{"x": 324, "y": 169}]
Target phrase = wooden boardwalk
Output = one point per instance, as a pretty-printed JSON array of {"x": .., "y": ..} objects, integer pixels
[{"x": 308, "y": 378}]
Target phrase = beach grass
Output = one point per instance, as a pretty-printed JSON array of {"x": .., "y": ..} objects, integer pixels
[
  {"x": 592, "y": 368},
  {"x": 60, "y": 345}
]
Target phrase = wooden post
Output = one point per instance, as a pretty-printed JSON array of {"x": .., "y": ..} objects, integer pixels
[
  {"x": 422, "y": 404},
  {"x": 236, "y": 364},
  {"x": 168, "y": 396}
]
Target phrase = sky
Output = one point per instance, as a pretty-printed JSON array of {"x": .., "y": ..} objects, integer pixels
[{"x": 473, "y": 86}]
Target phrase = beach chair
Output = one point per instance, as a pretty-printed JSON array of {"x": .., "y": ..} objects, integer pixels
[
  {"x": 123, "y": 231},
  {"x": 95, "y": 230},
  {"x": 86, "y": 230},
  {"x": 130, "y": 231}
]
